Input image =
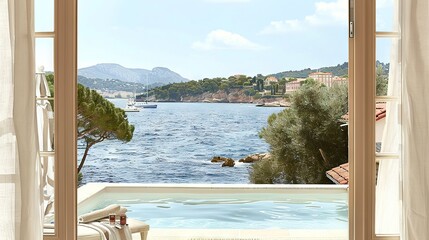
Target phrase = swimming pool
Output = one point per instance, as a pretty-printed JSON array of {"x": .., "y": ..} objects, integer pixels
[{"x": 228, "y": 207}]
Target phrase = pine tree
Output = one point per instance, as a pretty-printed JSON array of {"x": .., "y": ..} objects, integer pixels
[{"x": 99, "y": 120}]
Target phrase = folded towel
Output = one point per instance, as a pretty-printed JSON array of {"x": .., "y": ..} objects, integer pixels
[
  {"x": 113, "y": 233},
  {"x": 103, "y": 234},
  {"x": 99, "y": 214},
  {"x": 121, "y": 211}
]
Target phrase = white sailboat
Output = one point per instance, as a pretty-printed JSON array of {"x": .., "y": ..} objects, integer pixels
[{"x": 145, "y": 104}]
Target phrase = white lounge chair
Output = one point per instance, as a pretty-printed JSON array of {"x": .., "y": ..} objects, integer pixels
[{"x": 87, "y": 230}]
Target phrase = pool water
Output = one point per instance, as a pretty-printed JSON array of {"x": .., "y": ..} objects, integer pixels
[{"x": 232, "y": 211}]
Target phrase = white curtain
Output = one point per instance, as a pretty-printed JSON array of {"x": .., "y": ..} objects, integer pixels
[
  {"x": 415, "y": 119},
  {"x": 388, "y": 184},
  {"x": 20, "y": 195}
]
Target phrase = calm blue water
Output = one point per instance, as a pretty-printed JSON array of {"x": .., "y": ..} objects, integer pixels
[
  {"x": 232, "y": 211},
  {"x": 175, "y": 143}
]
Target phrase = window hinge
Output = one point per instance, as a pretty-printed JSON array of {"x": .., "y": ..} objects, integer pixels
[
  {"x": 351, "y": 19},
  {"x": 351, "y": 30}
]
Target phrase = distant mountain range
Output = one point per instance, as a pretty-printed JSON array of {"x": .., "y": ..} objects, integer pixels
[
  {"x": 114, "y": 77},
  {"x": 157, "y": 76},
  {"x": 110, "y": 85}
]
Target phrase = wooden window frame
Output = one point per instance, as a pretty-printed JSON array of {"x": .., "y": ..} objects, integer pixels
[
  {"x": 361, "y": 125},
  {"x": 65, "y": 69},
  {"x": 362, "y": 99}
]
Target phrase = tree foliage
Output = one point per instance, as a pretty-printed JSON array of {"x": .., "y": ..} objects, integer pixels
[
  {"x": 306, "y": 139},
  {"x": 175, "y": 91},
  {"x": 381, "y": 81},
  {"x": 99, "y": 120}
]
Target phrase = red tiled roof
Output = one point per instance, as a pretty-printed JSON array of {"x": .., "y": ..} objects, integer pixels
[
  {"x": 320, "y": 73},
  {"x": 380, "y": 112},
  {"x": 340, "y": 174}
]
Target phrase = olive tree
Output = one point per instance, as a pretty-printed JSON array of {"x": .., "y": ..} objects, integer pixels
[{"x": 306, "y": 139}]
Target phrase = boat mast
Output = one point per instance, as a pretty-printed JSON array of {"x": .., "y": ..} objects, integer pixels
[{"x": 147, "y": 89}]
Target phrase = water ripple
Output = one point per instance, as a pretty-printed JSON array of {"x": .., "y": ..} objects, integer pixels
[{"x": 175, "y": 142}]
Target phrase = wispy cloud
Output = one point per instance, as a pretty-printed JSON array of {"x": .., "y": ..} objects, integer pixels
[
  {"x": 221, "y": 39},
  {"x": 325, "y": 13},
  {"x": 329, "y": 13},
  {"x": 282, "y": 26},
  {"x": 227, "y": 1}
]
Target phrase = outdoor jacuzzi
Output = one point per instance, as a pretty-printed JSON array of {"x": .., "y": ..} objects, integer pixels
[{"x": 210, "y": 207}]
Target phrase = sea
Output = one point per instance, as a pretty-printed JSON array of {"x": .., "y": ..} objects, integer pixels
[{"x": 175, "y": 142}]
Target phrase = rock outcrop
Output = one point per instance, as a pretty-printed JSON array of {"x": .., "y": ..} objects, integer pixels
[
  {"x": 255, "y": 157},
  {"x": 226, "y": 162}
]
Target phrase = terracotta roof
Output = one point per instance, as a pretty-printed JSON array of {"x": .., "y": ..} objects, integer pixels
[
  {"x": 271, "y": 79},
  {"x": 320, "y": 73},
  {"x": 340, "y": 174},
  {"x": 380, "y": 112}
]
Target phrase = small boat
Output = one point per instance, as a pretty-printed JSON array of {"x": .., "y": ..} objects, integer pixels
[
  {"x": 131, "y": 109},
  {"x": 131, "y": 106},
  {"x": 138, "y": 102},
  {"x": 145, "y": 105}
]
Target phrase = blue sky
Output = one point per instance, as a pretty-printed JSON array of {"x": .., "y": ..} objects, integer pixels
[{"x": 213, "y": 38}]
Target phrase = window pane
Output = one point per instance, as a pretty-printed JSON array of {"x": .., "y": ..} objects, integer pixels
[
  {"x": 387, "y": 207},
  {"x": 45, "y": 125},
  {"x": 44, "y": 15},
  {"x": 385, "y": 14},
  {"x": 385, "y": 53},
  {"x": 45, "y": 54},
  {"x": 387, "y": 128}
]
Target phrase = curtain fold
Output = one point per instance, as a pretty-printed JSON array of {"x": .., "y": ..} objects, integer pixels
[
  {"x": 20, "y": 192},
  {"x": 415, "y": 120}
]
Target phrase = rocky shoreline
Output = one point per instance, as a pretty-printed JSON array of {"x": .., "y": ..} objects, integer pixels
[
  {"x": 232, "y": 96},
  {"x": 229, "y": 162}
]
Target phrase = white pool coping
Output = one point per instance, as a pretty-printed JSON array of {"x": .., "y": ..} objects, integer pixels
[{"x": 90, "y": 191}]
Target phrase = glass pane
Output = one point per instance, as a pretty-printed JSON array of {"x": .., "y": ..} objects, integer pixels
[
  {"x": 387, "y": 206},
  {"x": 384, "y": 54},
  {"x": 388, "y": 133},
  {"x": 44, "y": 15},
  {"x": 45, "y": 54},
  {"x": 45, "y": 124},
  {"x": 387, "y": 128},
  {"x": 385, "y": 14}
]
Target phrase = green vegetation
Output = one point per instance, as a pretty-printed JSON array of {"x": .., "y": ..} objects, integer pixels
[
  {"x": 306, "y": 139},
  {"x": 175, "y": 91},
  {"x": 381, "y": 81},
  {"x": 340, "y": 70},
  {"x": 99, "y": 120}
]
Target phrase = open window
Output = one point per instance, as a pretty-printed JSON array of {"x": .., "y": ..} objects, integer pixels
[
  {"x": 363, "y": 98},
  {"x": 55, "y": 44}
]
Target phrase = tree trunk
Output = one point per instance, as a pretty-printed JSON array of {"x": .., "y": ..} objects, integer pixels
[{"x": 85, "y": 154}]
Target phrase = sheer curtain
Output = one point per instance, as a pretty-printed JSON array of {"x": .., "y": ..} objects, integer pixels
[
  {"x": 388, "y": 183},
  {"x": 415, "y": 117},
  {"x": 20, "y": 195}
]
